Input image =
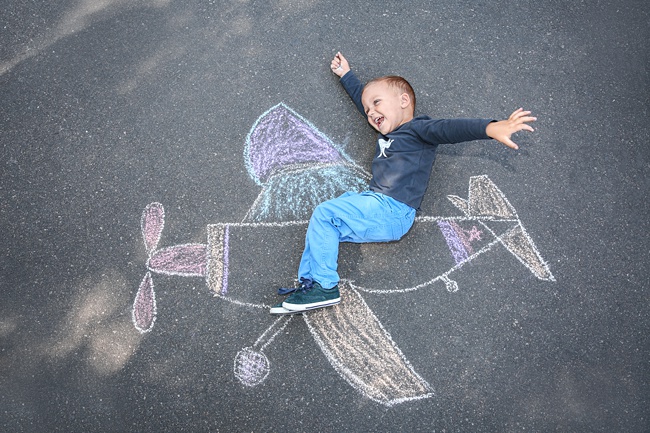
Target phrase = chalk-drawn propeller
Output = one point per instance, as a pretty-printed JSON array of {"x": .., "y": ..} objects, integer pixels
[{"x": 188, "y": 260}]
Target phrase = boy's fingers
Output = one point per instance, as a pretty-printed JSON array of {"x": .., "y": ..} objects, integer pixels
[
  {"x": 337, "y": 61},
  {"x": 527, "y": 127},
  {"x": 520, "y": 113},
  {"x": 508, "y": 142},
  {"x": 523, "y": 121}
]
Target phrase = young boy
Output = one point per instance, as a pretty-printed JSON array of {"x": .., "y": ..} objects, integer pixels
[{"x": 405, "y": 152}]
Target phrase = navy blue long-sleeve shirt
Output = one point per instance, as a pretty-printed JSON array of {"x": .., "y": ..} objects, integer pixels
[{"x": 404, "y": 157}]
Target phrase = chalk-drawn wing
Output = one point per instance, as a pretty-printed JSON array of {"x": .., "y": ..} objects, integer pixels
[
  {"x": 363, "y": 353},
  {"x": 297, "y": 167}
]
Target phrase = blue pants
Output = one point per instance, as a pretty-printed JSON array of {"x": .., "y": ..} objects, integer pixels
[{"x": 353, "y": 217}]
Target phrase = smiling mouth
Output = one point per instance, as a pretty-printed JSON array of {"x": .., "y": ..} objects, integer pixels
[{"x": 379, "y": 121}]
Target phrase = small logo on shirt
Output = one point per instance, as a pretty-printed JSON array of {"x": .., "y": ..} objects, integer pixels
[{"x": 383, "y": 145}]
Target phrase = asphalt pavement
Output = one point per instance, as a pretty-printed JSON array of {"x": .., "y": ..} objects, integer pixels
[{"x": 114, "y": 318}]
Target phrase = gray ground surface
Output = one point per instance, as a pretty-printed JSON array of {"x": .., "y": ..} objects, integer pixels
[{"x": 108, "y": 106}]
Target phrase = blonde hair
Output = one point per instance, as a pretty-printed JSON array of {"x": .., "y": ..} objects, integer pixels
[{"x": 396, "y": 82}]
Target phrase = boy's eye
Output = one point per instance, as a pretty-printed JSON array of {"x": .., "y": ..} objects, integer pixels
[{"x": 375, "y": 102}]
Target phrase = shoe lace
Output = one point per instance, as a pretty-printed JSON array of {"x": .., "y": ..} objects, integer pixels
[{"x": 306, "y": 285}]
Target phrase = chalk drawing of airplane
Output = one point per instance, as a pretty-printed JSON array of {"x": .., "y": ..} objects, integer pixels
[{"x": 298, "y": 167}]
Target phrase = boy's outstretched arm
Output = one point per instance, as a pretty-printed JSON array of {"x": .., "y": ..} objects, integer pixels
[
  {"x": 339, "y": 65},
  {"x": 503, "y": 129}
]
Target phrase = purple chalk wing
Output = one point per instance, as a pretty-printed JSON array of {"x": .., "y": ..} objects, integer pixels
[
  {"x": 188, "y": 260},
  {"x": 144, "y": 306},
  {"x": 152, "y": 222},
  {"x": 281, "y": 138}
]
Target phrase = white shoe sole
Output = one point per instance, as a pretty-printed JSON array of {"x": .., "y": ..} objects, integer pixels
[
  {"x": 281, "y": 311},
  {"x": 307, "y": 307}
]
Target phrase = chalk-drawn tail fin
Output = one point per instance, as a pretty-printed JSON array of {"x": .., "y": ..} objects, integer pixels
[
  {"x": 487, "y": 202},
  {"x": 360, "y": 349}
]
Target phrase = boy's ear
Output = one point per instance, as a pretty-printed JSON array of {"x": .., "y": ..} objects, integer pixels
[{"x": 405, "y": 100}]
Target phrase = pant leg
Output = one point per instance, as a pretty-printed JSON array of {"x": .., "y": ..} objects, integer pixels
[{"x": 352, "y": 217}]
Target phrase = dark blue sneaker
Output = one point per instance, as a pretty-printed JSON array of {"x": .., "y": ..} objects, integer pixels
[
  {"x": 310, "y": 295},
  {"x": 278, "y": 309}
]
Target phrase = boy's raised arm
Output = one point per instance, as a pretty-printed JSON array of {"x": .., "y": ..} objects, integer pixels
[{"x": 350, "y": 82}]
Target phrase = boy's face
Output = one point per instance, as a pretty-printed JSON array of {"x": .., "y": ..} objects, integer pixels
[{"x": 386, "y": 107}]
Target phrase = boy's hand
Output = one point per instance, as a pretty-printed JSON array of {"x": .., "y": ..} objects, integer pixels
[
  {"x": 502, "y": 130},
  {"x": 339, "y": 65}
]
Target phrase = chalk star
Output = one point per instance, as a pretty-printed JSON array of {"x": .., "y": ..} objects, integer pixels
[{"x": 474, "y": 234}]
